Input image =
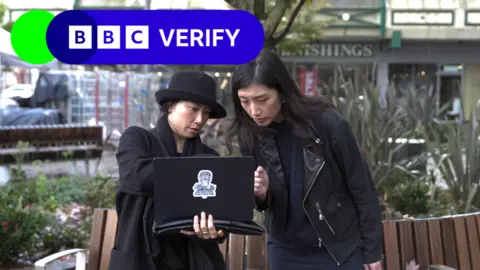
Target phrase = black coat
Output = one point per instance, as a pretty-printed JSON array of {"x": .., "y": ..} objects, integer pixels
[
  {"x": 340, "y": 199},
  {"x": 135, "y": 247}
]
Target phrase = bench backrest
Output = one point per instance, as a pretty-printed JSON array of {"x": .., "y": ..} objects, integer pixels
[
  {"x": 453, "y": 241},
  {"x": 50, "y": 142}
]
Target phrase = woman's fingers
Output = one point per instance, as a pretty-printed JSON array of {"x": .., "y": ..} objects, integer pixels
[
  {"x": 203, "y": 223},
  {"x": 211, "y": 228},
  {"x": 196, "y": 226},
  {"x": 204, "y": 227}
]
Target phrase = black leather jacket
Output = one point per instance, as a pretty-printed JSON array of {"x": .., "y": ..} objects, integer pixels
[{"x": 340, "y": 199}]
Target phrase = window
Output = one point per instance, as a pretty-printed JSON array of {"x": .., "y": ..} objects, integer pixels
[
  {"x": 354, "y": 4},
  {"x": 306, "y": 78},
  {"x": 401, "y": 76},
  {"x": 325, "y": 78},
  {"x": 450, "y": 106},
  {"x": 425, "y": 79}
]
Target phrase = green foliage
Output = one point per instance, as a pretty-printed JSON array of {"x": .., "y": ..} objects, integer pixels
[
  {"x": 19, "y": 227},
  {"x": 287, "y": 23},
  {"x": 457, "y": 160},
  {"x": 409, "y": 195},
  {"x": 8, "y": 26},
  {"x": 378, "y": 123},
  {"x": 3, "y": 11},
  {"x": 42, "y": 216}
]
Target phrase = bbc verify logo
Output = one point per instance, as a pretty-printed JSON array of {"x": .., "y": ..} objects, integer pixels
[
  {"x": 108, "y": 37},
  {"x": 137, "y": 37}
]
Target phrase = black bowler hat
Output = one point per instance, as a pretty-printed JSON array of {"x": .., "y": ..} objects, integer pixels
[{"x": 195, "y": 86}]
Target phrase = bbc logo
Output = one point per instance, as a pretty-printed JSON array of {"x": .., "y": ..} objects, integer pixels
[{"x": 108, "y": 37}]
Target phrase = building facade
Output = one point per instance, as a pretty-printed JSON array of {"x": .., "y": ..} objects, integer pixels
[{"x": 425, "y": 45}]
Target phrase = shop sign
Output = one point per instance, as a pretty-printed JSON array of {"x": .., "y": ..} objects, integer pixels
[
  {"x": 334, "y": 50},
  {"x": 422, "y": 17}
]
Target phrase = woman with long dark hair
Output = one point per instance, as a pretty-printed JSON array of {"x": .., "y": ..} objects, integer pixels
[
  {"x": 312, "y": 182},
  {"x": 187, "y": 104}
]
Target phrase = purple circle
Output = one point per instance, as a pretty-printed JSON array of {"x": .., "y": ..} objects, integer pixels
[{"x": 58, "y": 37}]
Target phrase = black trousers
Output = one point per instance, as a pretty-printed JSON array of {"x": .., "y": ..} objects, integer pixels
[{"x": 287, "y": 258}]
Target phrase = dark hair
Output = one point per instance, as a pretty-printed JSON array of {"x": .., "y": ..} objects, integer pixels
[
  {"x": 166, "y": 107},
  {"x": 269, "y": 70}
]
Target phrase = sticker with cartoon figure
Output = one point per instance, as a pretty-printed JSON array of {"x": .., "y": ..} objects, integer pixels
[{"x": 204, "y": 188}]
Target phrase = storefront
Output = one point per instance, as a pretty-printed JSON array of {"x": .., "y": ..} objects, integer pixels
[{"x": 449, "y": 68}]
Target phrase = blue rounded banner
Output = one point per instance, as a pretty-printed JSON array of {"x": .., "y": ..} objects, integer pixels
[{"x": 136, "y": 37}]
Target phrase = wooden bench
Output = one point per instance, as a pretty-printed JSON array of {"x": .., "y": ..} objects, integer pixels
[
  {"x": 50, "y": 142},
  {"x": 453, "y": 241}
]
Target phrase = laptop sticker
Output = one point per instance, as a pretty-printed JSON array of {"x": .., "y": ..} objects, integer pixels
[{"x": 204, "y": 188}]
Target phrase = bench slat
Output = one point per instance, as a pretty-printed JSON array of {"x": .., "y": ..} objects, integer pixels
[
  {"x": 449, "y": 245},
  {"x": 254, "y": 252},
  {"x": 390, "y": 238},
  {"x": 473, "y": 240},
  {"x": 461, "y": 243},
  {"x": 224, "y": 248},
  {"x": 407, "y": 248},
  {"x": 236, "y": 252},
  {"x": 436, "y": 242},
  {"x": 109, "y": 238},
  {"x": 96, "y": 239},
  {"x": 265, "y": 252},
  {"x": 422, "y": 255}
]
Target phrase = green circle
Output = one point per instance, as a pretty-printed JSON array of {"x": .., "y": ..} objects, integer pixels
[{"x": 29, "y": 37}]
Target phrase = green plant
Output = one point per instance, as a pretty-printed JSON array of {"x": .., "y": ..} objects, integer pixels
[
  {"x": 457, "y": 161},
  {"x": 8, "y": 26},
  {"x": 19, "y": 227},
  {"x": 411, "y": 197},
  {"x": 52, "y": 214},
  {"x": 3, "y": 10},
  {"x": 380, "y": 125}
]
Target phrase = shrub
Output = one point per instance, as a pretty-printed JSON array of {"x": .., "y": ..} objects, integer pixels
[
  {"x": 19, "y": 228},
  {"x": 42, "y": 216}
]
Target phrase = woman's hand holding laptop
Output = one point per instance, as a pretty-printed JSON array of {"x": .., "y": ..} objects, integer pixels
[{"x": 204, "y": 228}]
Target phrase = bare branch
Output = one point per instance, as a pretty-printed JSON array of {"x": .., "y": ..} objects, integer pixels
[
  {"x": 275, "y": 40},
  {"x": 274, "y": 18}
]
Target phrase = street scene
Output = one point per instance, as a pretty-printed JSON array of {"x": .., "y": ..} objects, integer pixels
[{"x": 403, "y": 74}]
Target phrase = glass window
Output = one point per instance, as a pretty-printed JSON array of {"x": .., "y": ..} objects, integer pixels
[
  {"x": 314, "y": 79},
  {"x": 306, "y": 77},
  {"x": 354, "y": 4},
  {"x": 425, "y": 78},
  {"x": 325, "y": 78},
  {"x": 401, "y": 75},
  {"x": 449, "y": 97}
]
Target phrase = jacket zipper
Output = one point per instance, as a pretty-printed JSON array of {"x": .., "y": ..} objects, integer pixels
[
  {"x": 308, "y": 216},
  {"x": 322, "y": 217}
]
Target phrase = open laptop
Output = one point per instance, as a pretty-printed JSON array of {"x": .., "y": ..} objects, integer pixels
[{"x": 220, "y": 186}]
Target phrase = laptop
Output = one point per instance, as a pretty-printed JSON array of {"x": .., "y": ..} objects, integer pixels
[{"x": 220, "y": 186}]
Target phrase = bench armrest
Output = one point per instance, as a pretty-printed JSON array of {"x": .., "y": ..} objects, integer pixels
[{"x": 80, "y": 264}]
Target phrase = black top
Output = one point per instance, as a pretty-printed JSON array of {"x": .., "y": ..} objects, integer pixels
[{"x": 299, "y": 232}]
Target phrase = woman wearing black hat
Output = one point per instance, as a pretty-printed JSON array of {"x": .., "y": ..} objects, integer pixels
[{"x": 186, "y": 105}]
